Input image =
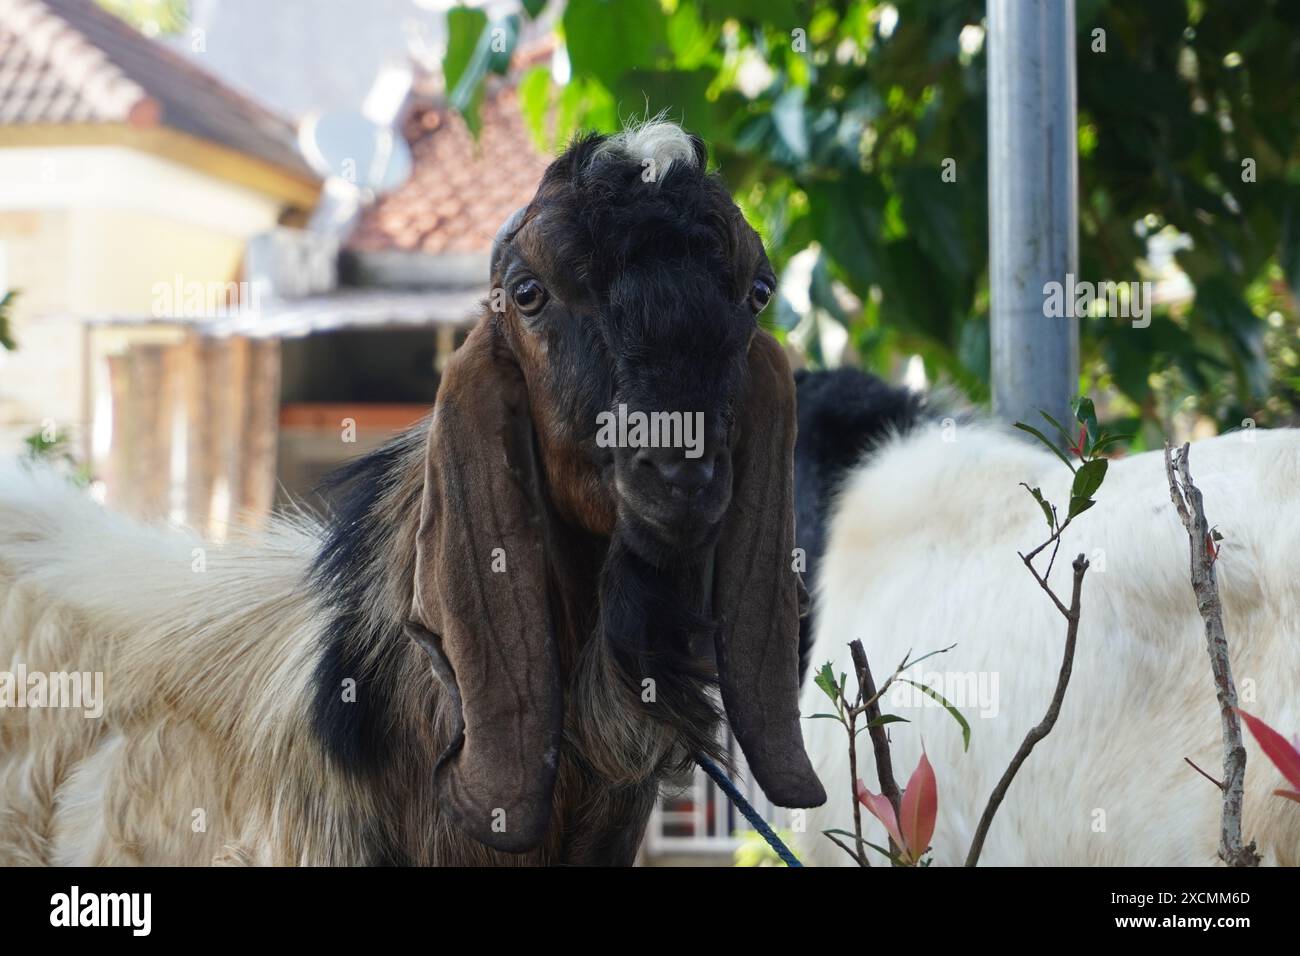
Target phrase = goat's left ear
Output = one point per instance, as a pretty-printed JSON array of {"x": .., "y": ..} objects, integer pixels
[
  {"x": 480, "y": 607},
  {"x": 757, "y": 592}
]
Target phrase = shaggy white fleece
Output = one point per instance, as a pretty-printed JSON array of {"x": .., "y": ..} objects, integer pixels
[
  {"x": 206, "y": 654},
  {"x": 922, "y": 554}
]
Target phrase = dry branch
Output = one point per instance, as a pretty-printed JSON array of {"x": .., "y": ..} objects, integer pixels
[
  {"x": 1190, "y": 505},
  {"x": 879, "y": 733},
  {"x": 1044, "y": 727}
]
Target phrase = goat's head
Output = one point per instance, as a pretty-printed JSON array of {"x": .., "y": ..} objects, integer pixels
[
  {"x": 620, "y": 384},
  {"x": 629, "y": 288}
]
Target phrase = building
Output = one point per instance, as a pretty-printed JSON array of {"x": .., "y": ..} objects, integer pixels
[{"x": 125, "y": 174}]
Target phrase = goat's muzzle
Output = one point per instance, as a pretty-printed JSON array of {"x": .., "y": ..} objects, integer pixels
[{"x": 671, "y": 502}]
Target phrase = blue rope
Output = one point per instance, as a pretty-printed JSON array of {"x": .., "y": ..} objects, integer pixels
[{"x": 743, "y": 805}]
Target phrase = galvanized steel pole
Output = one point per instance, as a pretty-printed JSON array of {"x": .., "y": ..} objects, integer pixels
[{"x": 1033, "y": 205}]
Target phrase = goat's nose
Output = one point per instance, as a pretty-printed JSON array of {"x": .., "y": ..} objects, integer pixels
[{"x": 686, "y": 475}]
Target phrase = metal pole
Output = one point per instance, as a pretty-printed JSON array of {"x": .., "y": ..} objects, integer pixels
[{"x": 1033, "y": 206}]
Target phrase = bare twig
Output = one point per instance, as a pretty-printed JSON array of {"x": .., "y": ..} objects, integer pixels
[
  {"x": 859, "y": 855},
  {"x": 1056, "y": 536},
  {"x": 1190, "y": 506},
  {"x": 1042, "y": 583},
  {"x": 879, "y": 734},
  {"x": 851, "y": 725},
  {"x": 867, "y": 704},
  {"x": 1053, "y": 711},
  {"x": 907, "y": 662},
  {"x": 1192, "y": 763}
]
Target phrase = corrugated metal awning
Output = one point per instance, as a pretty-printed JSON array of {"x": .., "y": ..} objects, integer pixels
[{"x": 330, "y": 312}]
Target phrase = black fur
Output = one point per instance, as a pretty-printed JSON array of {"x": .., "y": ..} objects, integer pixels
[
  {"x": 358, "y": 735},
  {"x": 844, "y": 415},
  {"x": 648, "y": 306}
]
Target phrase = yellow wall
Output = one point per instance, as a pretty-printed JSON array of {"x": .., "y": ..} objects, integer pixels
[
  {"x": 123, "y": 255},
  {"x": 101, "y": 250}
]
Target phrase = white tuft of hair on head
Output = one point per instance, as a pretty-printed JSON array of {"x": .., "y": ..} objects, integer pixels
[{"x": 655, "y": 144}]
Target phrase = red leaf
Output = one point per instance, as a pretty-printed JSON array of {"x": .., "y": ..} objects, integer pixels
[
  {"x": 1275, "y": 747},
  {"x": 919, "y": 809},
  {"x": 880, "y": 808},
  {"x": 1288, "y": 794},
  {"x": 1077, "y": 447}
]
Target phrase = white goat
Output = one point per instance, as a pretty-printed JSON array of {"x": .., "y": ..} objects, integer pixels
[
  {"x": 922, "y": 553},
  {"x": 201, "y": 670}
]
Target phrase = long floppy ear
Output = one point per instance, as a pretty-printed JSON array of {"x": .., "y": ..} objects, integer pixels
[
  {"x": 757, "y": 591},
  {"x": 480, "y": 607}
]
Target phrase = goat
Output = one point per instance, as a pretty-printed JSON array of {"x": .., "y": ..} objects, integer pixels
[
  {"x": 922, "y": 552},
  {"x": 508, "y": 634}
]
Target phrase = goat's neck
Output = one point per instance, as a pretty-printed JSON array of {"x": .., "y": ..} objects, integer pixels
[{"x": 389, "y": 739}]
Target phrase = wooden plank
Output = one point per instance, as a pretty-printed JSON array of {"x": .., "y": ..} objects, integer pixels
[
  {"x": 117, "y": 481},
  {"x": 228, "y": 404},
  {"x": 259, "y": 439},
  {"x": 329, "y": 416},
  {"x": 142, "y": 382},
  {"x": 202, "y": 437}
]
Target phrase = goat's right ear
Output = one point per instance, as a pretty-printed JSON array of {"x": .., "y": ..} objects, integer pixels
[{"x": 480, "y": 607}]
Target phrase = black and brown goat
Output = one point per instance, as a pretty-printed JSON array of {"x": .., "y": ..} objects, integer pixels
[{"x": 577, "y": 602}]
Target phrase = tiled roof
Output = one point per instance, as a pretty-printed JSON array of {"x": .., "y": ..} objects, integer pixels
[
  {"x": 460, "y": 190},
  {"x": 69, "y": 61}
]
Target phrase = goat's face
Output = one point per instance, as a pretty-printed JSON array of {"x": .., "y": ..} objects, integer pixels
[{"x": 630, "y": 288}]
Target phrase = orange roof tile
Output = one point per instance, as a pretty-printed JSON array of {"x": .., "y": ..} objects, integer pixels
[
  {"x": 70, "y": 61},
  {"x": 460, "y": 190}
]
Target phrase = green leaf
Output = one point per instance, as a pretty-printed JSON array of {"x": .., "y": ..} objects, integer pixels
[
  {"x": 923, "y": 657},
  {"x": 846, "y": 216},
  {"x": 469, "y": 49},
  {"x": 825, "y": 679},
  {"x": 789, "y": 122},
  {"x": 1079, "y": 505},
  {"x": 606, "y": 39},
  {"x": 1086, "y": 414},
  {"x": 1047, "y": 509},
  {"x": 887, "y": 719},
  {"x": 843, "y": 833},
  {"x": 1067, "y": 440},
  {"x": 1105, "y": 441},
  {"x": 932, "y": 210},
  {"x": 853, "y": 837},
  {"x": 1289, "y": 246},
  {"x": 1088, "y": 478},
  {"x": 534, "y": 102},
  {"x": 781, "y": 13},
  {"x": 682, "y": 95},
  {"x": 6, "y": 334},
  {"x": 503, "y": 35},
  {"x": 1046, "y": 441},
  {"x": 823, "y": 717},
  {"x": 956, "y": 714},
  {"x": 882, "y": 851}
]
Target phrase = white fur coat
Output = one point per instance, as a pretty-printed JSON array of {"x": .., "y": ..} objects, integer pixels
[{"x": 922, "y": 554}]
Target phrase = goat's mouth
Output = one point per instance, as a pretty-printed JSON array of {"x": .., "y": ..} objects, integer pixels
[{"x": 666, "y": 526}]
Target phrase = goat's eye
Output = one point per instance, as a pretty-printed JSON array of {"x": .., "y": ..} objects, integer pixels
[
  {"x": 530, "y": 296},
  {"x": 760, "y": 294}
]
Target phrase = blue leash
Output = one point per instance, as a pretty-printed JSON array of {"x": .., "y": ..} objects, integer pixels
[{"x": 750, "y": 814}]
